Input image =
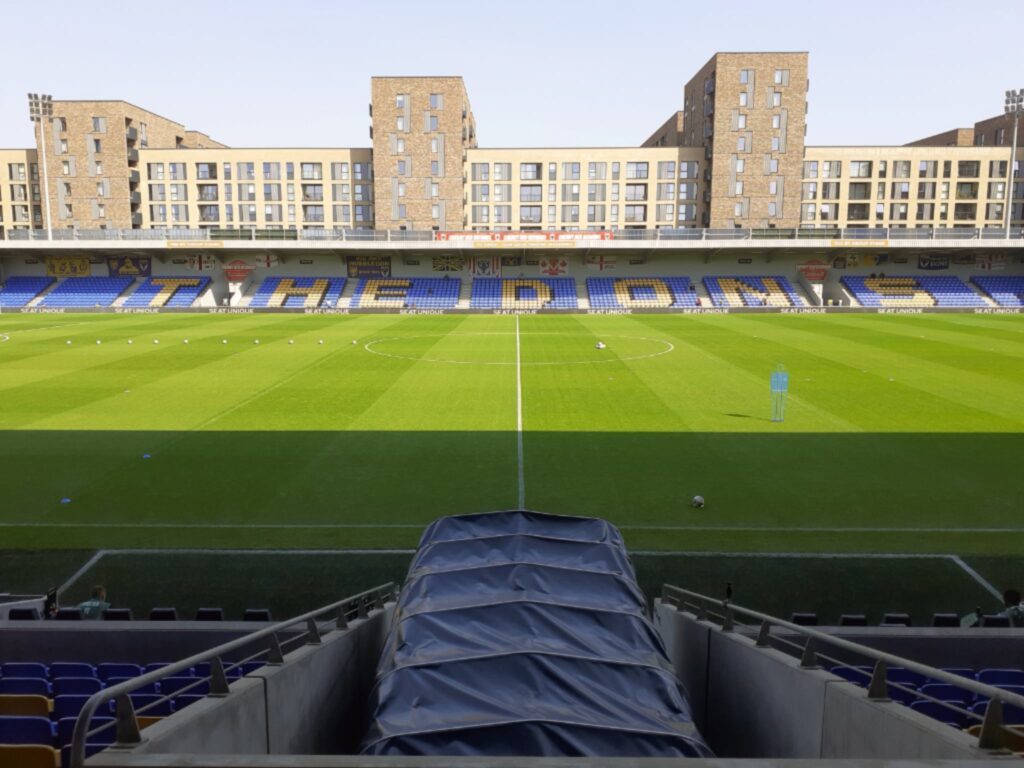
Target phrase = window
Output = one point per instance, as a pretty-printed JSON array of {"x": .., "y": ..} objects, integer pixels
[
  {"x": 339, "y": 192},
  {"x": 289, "y": 169},
  {"x": 745, "y": 75},
  {"x": 156, "y": 192},
  {"x": 615, "y": 170},
  {"x": 996, "y": 190},
  {"x": 205, "y": 171},
  {"x": 928, "y": 169},
  {"x": 901, "y": 169},
  {"x": 61, "y": 124},
  {"x": 970, "y": 169},
  {"x": 246, "y": 171},
  {"x": 570, "y": 214},
  {"x": 571, "y": 171},
  {"x": 530, "y": 171},
  {"x": 65, "y": 167},
  {"x": 531, "y": 193},
  {"x": 741, "y": 165},
  {"x": 502, "y": 214},
  {"x": 596, "y": 192},
  {"x": 636, "y": 213},
  {"x": 402, "y": 164},
  {"x": 436, "y": 101},
  {"x": 503, "y": 193},
  {"x": 227, "y": 171},
  {"x": 900, "y": 190},
  {"x": 207, "y": 192},
  {"x": 503, "y": 171},
  {"x": 97, "y": 167},
  {"x": 743, "y": 98},
  {"x": 400, "y": 123},
  {"x": 311, "y": 171},
  {"x": 402, "y": 212},
  {"x": 741, "y": 122},
  {"x": 400, "y": 100},
  {"x": 597, "y": 171},
  {"x": 688, "y": 191},
  {"x": 63, "y": 146},
  {"x": 666, "y": 169},
  {"x": 433, "y": 145},
  {"x": 400, "y": 190},
  {"x": 811, "y": 169},
  {"x": 832, "y": 169},
  {"x": 432, "y": 123},
  {"x": 737, "y": 188},
  {"x": 481, "y": 214},
  {"x": 773, "y": 187},
  {"x": 636, "y": 192},
  {"x": 99, "y": 125},
  {"x": 688, "y": 170},
  {"x": 272, "y": 171},
  {"x": 530, "y": 214},
  {"x": 776, "y": 99},
  {"x": 155, "y": 171},
  {"x": 310, "y": 192},
  {"x": 926, "y": 190},
  {"x": 179, "y": 192},
  {"x": 481, "y": 193},
  {"x": 859, "y": 190},
  {"x": 435, "y": 211},
  {"x": 272, "y": 213},
  {"x": 860, "y": 169},
  {"x": 480, "y": 171},
  {"x": 781, "y": 77},
  {"x": 830, "y": 190},
  {"x": 636, "y": 170},
  {"x": 570, "y": 193},
  {"x": 773, "y": 209},
  {"x": 773, "y": 165},
  {"x": 777, "y": 122},
  {"x": 615, "y": 192},
  {"x": 741, "y": 144},
  {"x": 595, "y": 213},
  {"x": 435, "y": 190},
  {"x": 776, "y": 143},
  {"x": 666, "y": 191},
  {"x": 997, "y": 169},
  {"x": 435, "y": 167}
]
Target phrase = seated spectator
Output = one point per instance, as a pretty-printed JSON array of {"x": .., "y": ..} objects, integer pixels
[
  {"x": 1013, "y": 609},
  {"x": 94, "y": 607}
]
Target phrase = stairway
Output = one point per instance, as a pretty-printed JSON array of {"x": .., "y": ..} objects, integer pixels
[
  {"x": 989, "y": 301},
  {"x": 345, "y": 300},
  {"x": 465, "y": 292},
  {"x": 120, "y": 300},
  {"x": 35, "y": 302},
  {"x": 582, "y": 295}
]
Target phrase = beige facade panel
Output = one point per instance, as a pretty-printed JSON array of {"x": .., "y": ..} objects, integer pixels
[
  {"x": 939, "y": 187},
  {"x": 257, "y": 188},
  {"x": 594, "y": 188},
  {"x": 20, "y": 191}
]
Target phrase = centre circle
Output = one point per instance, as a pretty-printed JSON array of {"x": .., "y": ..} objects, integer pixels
[{"x": 498, "y": 348}]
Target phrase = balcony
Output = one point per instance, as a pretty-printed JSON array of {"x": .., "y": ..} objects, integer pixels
[
  {"x": 135, "y": 197},
  {"x": 133, "y": 155},
  {"x": 131, "y": 134},
  {"x": 133, "y": 176},
  {"x": 136, "y": 220}
]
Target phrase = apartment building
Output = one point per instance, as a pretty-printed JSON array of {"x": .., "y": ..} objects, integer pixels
[{"x": 732, "y": 156}]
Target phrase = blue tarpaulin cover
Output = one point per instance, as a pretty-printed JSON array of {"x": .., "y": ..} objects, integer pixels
[{"x": 519, "y": 633}]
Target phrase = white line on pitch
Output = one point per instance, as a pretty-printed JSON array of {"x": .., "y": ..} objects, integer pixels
[
  {"x": 419, "y": 526},
  {"x": 519, "y": 421},
  {"x": 977, "y": 577},
  {"x": 81, "y": 571}
]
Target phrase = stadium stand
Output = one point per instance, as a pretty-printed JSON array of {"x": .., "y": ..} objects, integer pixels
[
  {"x": 510, "y": 620},
  {"x": 307, "y": 292},
  {"x": 19, "y": 291},
  {"x": 944, "y": 291},
  {"x": 773, "y": 291},
  {"x": 1006, "y": 291},
  {"x": 640, "y": 292},
  {"x": 83, "y": 292},
  {"x": 168, "y": 292},
  {"x": 418, "y": 293},
  {"x": 523, "y": 293}
]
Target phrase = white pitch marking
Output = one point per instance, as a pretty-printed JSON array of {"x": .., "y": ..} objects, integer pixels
[
  {"x": 977, "y": 577},
  {"x": 419, "y": 526},
  {"x": 368, "y": 346},
  {"x": 4, "y": 337},
  {"x": 81, "y": 571},
  {"x": 519, "y": 421}
]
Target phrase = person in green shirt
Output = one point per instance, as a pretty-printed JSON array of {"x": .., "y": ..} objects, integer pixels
[{"x": 94, "y": 607}]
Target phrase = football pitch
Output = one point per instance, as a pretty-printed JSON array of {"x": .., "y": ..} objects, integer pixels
[{"x": 902, "y": 434}]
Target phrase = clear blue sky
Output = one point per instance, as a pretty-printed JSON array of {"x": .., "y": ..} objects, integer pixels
[{"x": 551, "y": 73}]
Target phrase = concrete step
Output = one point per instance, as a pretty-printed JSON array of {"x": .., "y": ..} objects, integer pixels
[{"x": 36, "y": 301}]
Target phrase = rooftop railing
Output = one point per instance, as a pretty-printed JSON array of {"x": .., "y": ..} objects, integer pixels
[
  {"x": 267, "y": 645},
  {"x": 453, "y": 238},
  {"x": 812, "y": 645}
]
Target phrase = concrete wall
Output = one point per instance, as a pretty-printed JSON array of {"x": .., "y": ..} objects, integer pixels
[
  {"x": 759, "y": 702},
  {"x": 314, "y": 703}
]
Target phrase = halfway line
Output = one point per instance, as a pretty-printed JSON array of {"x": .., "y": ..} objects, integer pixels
[{"x": 519, "y": 422}]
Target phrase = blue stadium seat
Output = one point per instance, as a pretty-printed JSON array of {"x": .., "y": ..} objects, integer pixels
[
  {"x": 168, "y": 292},
  {"x": 171, "y": 685},
  {"x": 63, "y": 686},
  {"x": 36, "y": 686},
  {"x": 311, "y": 292},
  {"x": 68, "y": 705},
  {"x": 23, "y": 669},
  {"x": 911, "y": 291},
  {"x": 158, "y": 706},
  {"x": 90, "y": 750},
  {"x": 147, "y": 688},
  {"x": 754, "y": 291},
  {"x": 108, "y": 670},
  {"x": 941, "y": 712},
  {"x": 523, "y": 293},
  {"x": 1001, "y": 677},
  {"x": 84, "y": 292},
  {"x": 946, "y": 692},
  {"x": 158, "y": 665},
  {"x": 407, "y": 292},
  {"x": 19, "y": 291},
  {"x": 71, "y": 669},
  {"x": 1005, "y": 291},
  {"x": 66, "y": 729},
  {"x": 26, "y": 730},
  {"x": 904, "y": 677},
  {"x": 640, "y": 292}
]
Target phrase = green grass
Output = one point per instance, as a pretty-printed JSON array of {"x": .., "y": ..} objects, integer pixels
[{"x": 902, "y": 433}]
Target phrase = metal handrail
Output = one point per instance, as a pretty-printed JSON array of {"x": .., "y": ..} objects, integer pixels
[
  {"x": 678, "y": 596},
  {"x": 391, "y": 235},
  {"x": 126, "y": 724}
]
